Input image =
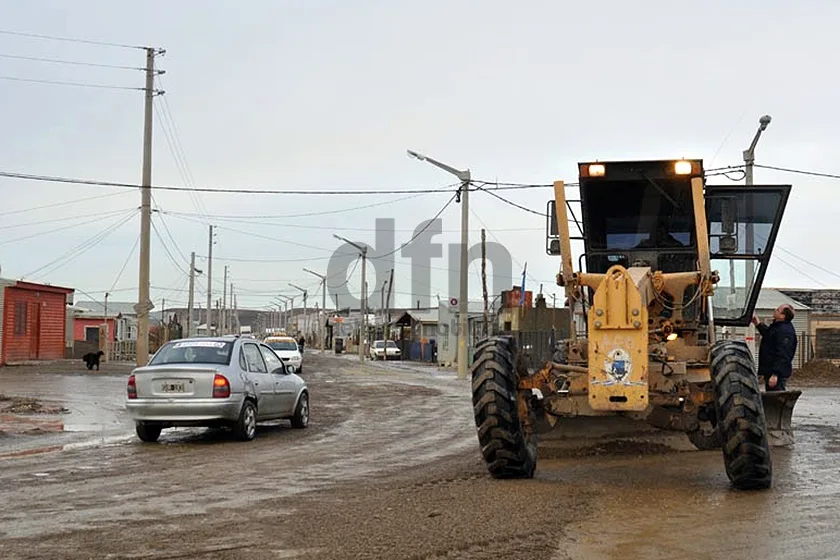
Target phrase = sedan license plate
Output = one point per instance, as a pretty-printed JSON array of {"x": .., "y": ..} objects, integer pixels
[{"x": 173, "y": 387}]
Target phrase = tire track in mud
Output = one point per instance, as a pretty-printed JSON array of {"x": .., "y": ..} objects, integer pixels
[{"x": 365, "y": 423}]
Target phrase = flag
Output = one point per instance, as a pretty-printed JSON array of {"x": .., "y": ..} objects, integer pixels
[{"x": 522, "y": 291}]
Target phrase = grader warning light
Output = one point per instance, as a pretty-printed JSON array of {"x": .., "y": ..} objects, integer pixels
[{"x": 656, "y": 239}]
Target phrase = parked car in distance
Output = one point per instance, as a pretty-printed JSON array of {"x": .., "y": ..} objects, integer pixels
[
  {"x": 385, "y": 350},
  {"x": 227, "y": 381},
  {"x": 287, "y": 348}
]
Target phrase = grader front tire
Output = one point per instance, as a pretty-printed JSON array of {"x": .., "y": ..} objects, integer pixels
[
  {"x": 508, "y": 446},
  {"x": 740, "y": 417}
]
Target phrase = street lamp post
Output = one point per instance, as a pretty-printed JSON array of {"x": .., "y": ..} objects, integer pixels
[
  {"x": 305, "y": 309},
  {"x": 363, "y": 309},
  {"x": 749, "y": 162},
  {"x": 285, "y": 318},
  {"x": 322, "y": 320},
  {"x": 464, "y": 177}
]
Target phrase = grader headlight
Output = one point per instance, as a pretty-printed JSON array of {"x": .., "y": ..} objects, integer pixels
[
  {"x": 682, "y": 167},
  {"x": 597, "y": 170}
]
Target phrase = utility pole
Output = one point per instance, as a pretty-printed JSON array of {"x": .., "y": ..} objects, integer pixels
[
  {"x": 231, "y": 327},
  {"x": 484, "y": 280},
  {"x": 209, "y": 280},
  {"x": 363, "y": 308},
  {"x": 388, "y": 303},
  {"x": 305, "y": 310},
  {"x": 322, "y": 320},
  {"x": 144, "y": 303},
  {"x": 463, "y": 197},
  {"x": 191, "y": 304},
  {"x": 222, "y": 318},
  {"x": 236, "y": 314}
]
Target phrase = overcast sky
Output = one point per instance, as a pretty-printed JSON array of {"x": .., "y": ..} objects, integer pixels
[{"x": 323, "y": 95}]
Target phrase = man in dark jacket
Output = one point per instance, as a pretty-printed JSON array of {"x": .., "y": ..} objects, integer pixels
[{"x": 778, "y": 346}]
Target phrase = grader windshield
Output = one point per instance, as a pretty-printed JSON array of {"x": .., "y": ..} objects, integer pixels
[{"x": 640, "y": 212}]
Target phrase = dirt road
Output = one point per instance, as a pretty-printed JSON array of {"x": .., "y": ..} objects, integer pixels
[{"x": 389, "y": 468}]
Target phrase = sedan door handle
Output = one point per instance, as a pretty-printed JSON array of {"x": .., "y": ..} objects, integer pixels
[{"x": 256, "y": 382}]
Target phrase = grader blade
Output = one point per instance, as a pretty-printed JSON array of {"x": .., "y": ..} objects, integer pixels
[{"x": 778, "y": 410}]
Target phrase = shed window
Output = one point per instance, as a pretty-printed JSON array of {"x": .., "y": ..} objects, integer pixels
[{"x": 20, "y": 318}]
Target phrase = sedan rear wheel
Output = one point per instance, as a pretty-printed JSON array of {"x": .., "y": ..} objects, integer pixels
[
  {"x": 148, "y": 433},
  {"x": 301, "y": 417},
  {"x": 245, "y": 428}
]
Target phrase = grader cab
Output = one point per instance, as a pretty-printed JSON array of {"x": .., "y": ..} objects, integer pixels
[{"x": 667, "y": 262}]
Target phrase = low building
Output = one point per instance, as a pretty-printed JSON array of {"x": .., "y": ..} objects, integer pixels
[
  {"x": 89, "y": 328},
  {"x": 33, "y": 321}
]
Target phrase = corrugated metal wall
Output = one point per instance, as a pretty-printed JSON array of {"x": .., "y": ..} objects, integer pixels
[{"x": 3, "y": 284}]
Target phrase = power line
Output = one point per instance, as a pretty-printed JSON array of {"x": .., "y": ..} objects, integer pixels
[
  {"x": 69, "y": 39},
  {"x": 799, "y": 171},
  {"x": 98, "y": 183},
  {"x": 99, "y": 218},
  {"x": 72, "y": 62},
  {"x": 64, "y": 203},
  {"x": 252, "y": 220},
  {"x": 57, "y": 220},
  {"x": 416, "y": 235},
  {"x": 62, "y": 83},
  {"x": 82, "y": 247},
  {"x": 511, "y": 203},
  {"x": 125, "y": 264}
]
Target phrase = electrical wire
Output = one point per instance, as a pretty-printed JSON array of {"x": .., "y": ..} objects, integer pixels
[
  {"x": 72, "y": 62},
  {"x": 58, "y": 220},
  {"x": 799, "y": 171},
  {"x": 511, "y": 203},
  {"x": 171, "y": 237},
  {"x": 416, "y": 235},
  {"x": 82, "y": 247},
  {"x": 97, "y": 183},
  {"x": 125, "y": 264},
  {"x": 63, "y": 83},
  {"x": 166, "y": 249},
  {"x": 69, "y": 39},
  {"x": 99, "y": 218},
  {"x": 64, "y": 203}
]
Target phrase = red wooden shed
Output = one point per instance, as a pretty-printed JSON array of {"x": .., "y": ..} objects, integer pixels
[{"x": 33, "y": 321}]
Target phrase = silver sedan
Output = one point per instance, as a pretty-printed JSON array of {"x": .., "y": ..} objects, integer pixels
[{"x": 227, "y": 381}]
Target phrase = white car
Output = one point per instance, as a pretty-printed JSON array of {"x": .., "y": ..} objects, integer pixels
[
  {"x": 287, "y": 348},
  {"x": 385, "y": 350}
]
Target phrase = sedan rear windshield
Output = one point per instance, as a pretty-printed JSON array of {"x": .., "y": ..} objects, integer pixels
[
  {"x": 283, "y": 345},
  {"x": 194, "y": 352}
]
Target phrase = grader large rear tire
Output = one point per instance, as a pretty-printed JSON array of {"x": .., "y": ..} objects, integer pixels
[
  {"x": 508, "y": 448},
  {"x": 740, "y": 416}
]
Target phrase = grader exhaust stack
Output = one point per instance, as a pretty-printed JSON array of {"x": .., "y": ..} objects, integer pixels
[{"x": 665, "y": 263}]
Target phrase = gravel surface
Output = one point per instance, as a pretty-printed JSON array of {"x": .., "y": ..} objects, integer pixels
[{"x": 390, "y": 468}]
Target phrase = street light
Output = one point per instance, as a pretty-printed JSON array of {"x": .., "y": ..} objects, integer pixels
[
  {"x": 749, "y": 162},
  {"x": 363, "y": 310},
  {"x": 285, "y": 300},
  {"x": 464, "y": 177},
  {"x": 323, "y": 320},
  {"x": 305, "y": 310}
]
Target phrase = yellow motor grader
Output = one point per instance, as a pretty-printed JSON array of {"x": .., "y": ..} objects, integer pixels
[{"x": 668, "y": 261}]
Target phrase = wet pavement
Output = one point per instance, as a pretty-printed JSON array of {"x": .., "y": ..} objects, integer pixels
[{"x": 388, "y": 468}]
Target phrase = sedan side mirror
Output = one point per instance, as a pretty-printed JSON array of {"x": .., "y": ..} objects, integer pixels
[{"x": 290, "y": 368}]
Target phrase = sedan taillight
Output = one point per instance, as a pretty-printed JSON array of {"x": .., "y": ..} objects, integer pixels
[
  {"x": 132, "y": 387},
  {"x": 221, "y": 387}
]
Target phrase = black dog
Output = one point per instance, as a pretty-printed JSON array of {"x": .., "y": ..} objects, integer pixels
[{"x": 92, "y": 359}]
